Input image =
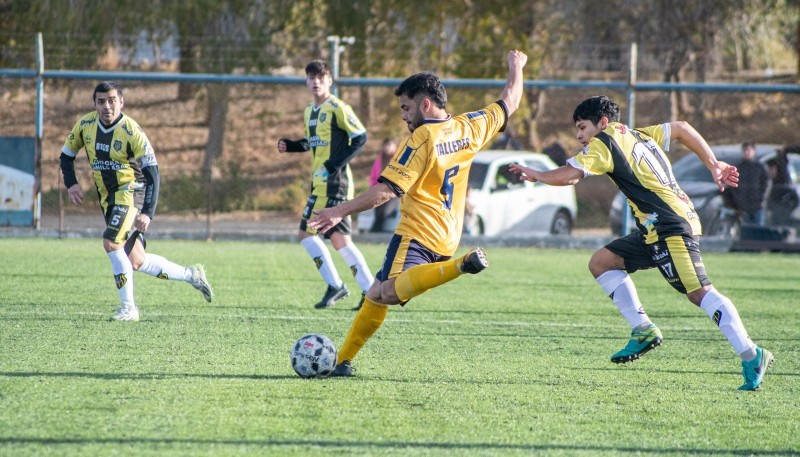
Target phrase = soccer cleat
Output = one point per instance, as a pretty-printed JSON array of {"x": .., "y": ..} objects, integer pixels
[
  {"x": 473, "y": 261},
  {"x": 332, "y": 295},
  {"x": 127, "y": 313},
  {"x": 343, "y": 369},
  {"x": 200, "y": 282},
  {"x": 754, "y": 370},
  {"x": 639, "y": 344},
  {"x": 360, "y": 302}
]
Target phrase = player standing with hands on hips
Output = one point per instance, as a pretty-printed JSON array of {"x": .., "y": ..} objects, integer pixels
[
  {"x": 669, "y": 233},
  {"x": 334, "y": 135},
  {"x": 429, "y": 172},
  {"x": 126, "y": 177}
]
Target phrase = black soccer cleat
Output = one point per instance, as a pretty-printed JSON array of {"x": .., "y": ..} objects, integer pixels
[
  {"x": 332, "y": 295},
  {"x": 360, "y": 302},
  {"x": 343, "y": 369},
  {"x": 473, "y": 261}
]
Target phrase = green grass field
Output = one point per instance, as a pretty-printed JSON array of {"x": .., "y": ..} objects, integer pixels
[{"x": 513, "y": 361}]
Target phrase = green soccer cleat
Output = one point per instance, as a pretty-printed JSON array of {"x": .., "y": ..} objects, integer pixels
[
  {"x": 754, "y": 370},
  {"x": 639, "y": 344}
]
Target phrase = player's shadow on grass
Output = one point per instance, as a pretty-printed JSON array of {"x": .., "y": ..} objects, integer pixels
[
  {"x": 141, "y": 376},
  {"x": 398, "y": 446}
]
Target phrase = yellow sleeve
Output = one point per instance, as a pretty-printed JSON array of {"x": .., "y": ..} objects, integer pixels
[{"x": 410, "y": 160}]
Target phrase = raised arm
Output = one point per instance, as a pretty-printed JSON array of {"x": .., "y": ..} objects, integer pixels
[
  {"x": 512, "y": 92},
  {"x": 723, "y": 173}
]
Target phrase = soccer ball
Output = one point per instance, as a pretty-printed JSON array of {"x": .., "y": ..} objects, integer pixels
[{"x": 313, "y": 356}]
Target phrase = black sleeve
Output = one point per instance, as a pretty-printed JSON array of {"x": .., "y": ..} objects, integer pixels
[
  {"x": 68, "y": 170},
  {"x": 394, "y": 187},
  {"x": 152, "y": 183},
  {"x": 505, "y": 110},
  {"x": 356, "y": 145},
  {"x": 296, "y": 146}
]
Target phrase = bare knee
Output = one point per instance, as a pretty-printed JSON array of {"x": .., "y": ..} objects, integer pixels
[
  {"x": 383, "y": 293},
  {"x": 604, "y": 260}
]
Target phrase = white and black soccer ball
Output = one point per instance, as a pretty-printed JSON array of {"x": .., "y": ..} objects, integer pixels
[{"x": 313, "y": 356}]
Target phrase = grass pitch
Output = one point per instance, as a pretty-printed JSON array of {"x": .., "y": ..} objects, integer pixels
[{"x": 512, "y": 361}]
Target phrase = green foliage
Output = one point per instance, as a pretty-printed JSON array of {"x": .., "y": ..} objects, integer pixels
[{"x": 513, "y": 361}]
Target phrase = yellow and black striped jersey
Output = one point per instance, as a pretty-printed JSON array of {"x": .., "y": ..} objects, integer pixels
[
  {"x": 330, "y": 127},
  {"x": 116, "y": 155},
  {"x": 432, "y": 168},
  {"x": 635, "y": 161}
]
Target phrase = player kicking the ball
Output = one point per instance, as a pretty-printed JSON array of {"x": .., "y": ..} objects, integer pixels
[
  {"x": 429, "y": 170},
  {"x": 669, "y": 227}
]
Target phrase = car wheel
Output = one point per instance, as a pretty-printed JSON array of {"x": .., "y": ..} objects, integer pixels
[{"x": 562, "y": 223}]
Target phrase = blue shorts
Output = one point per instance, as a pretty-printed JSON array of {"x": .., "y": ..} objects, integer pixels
[{"x": 403, "y": 253}]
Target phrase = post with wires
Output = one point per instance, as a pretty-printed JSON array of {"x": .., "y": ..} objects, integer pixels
[
  {"x": 337, "y": 48},
  {"x": 631, "y": 122}
]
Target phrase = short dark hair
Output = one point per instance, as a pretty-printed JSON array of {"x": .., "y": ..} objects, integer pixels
[
  {"x": 594, "y": 108},
  {"x": 748, "y": 144},
  {"x": 318, "y": 67},
  {"x": 106, "y": 86},
  {"x": 426, "y": 84}
]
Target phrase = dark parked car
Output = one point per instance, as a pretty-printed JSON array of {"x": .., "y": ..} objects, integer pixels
[{"x": 694, "y": 178}]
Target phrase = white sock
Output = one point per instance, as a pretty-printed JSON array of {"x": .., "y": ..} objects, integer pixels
[
  {"x": 722, "y": 311},
  {"x": 155, "y": 265},
  {"x": 355, "y": 260},
  {"x": 123, "y": 275},
  {"x": 619, "y": 287},
  {"x": 322, "y": 258}
]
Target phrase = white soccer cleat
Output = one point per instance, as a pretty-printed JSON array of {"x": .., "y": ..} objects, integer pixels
[
  {"x": 127, "y": 313},
  {"x": 200, "y": 282}
]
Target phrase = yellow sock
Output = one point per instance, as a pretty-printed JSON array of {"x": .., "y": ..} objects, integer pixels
[
  {"x": 421, "y": 278},
  {"x": 367, "y": 321}
]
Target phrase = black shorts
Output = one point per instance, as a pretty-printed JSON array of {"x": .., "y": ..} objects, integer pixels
[
  {"x": 677, "y": 258},
  {"x": 316, "y": 203}
]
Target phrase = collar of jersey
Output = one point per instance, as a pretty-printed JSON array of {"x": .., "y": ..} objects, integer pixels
[
  {"x": 111, "y": 127},
  {"x": 436, "y": 121}
]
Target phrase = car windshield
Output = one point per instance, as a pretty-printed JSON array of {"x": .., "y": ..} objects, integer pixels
[
  {"x": 690, "y": 168},
  {"x": 477, "y": 175}
]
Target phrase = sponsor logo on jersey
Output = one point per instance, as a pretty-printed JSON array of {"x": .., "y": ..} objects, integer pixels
[
  {"x": 87, "y": 122},
  {"x": 125, "y": 129},
  {"x": 102, "y": 147},
  {"x": 399, "y": 171},
  {"x": 117, "y": 145},
  {"x": 108, "y": 165},
  {"x": 316, "y": 142},
  {"x": 451, "y": 147}
]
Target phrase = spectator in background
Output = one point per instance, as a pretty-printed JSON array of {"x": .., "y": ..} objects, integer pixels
[
  {"x": 748, "y": 199},
  {"x": 386, "y": 210},
  {"x": 782, "y": 199}
]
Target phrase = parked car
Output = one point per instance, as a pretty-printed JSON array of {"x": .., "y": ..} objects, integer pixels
[
  {"x": 695, "y": 180},
  {"x": 504, "y": 205}
]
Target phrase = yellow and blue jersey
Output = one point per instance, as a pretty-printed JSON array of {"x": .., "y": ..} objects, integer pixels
[
  {"x": 431, "y": 170},
  {"x": 635, "y": 161}
]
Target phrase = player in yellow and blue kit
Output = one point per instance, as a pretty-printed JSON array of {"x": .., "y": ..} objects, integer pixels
[
  {"x": 126, "y": 178},
  {"x": 669, "y": 228},
  {"x": 334, "y": 135},
  {"x": 429, "y": 173}
]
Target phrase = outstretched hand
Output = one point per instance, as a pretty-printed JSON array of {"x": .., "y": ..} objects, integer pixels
[
  {"x": 324, "y": 220},
  {"x": 725, "y": 175},
  {"x": 523, "y": 173}
]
